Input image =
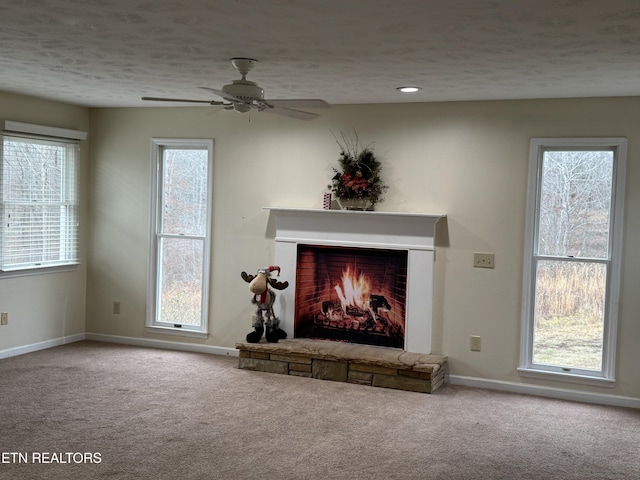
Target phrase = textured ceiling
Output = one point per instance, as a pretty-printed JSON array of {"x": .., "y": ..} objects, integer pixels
[{"x": 102, "y": 53}]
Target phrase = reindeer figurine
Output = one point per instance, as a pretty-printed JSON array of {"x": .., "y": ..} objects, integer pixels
[{"x": 264, "y": 298}]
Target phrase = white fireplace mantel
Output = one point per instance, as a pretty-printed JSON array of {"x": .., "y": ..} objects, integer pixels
[{"x": 413, "y": 232}]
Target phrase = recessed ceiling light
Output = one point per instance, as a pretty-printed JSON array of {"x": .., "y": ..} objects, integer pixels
[{"x": 409, "y": 89}]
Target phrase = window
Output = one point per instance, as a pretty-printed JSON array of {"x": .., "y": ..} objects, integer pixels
[
  {"x": 38, "y": 199},
  {"x": 572, "y": 258},
  {"x": 180, "y": 243}
]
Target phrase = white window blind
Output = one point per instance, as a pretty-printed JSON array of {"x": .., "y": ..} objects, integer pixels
[{"x": 38, "y": 202}]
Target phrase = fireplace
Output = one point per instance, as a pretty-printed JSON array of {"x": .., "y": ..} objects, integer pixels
[
  {"x": 362, "y": 246},
  {"x": 351, "y": 294}
]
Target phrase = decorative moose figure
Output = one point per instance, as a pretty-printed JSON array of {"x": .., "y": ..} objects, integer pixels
[{"x": 264, "y": 298}]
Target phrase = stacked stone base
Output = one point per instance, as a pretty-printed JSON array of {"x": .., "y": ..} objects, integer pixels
[{"x": 346, "y": 362}]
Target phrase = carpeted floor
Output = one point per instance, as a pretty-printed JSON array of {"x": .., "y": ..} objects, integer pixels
[{"x": 154, "y": 414}]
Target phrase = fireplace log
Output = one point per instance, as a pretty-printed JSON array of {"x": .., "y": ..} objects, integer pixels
[
  {"x": 378, "y": 302},
  {"x": 356, "y": 311},
  {"x": 331, "y": 306}
]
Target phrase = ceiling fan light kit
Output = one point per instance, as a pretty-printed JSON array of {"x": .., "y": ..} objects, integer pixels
[{"x": 244, "y": 95}]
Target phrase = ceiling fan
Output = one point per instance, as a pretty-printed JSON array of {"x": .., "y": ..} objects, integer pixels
[{"x": 244, "y": 95}]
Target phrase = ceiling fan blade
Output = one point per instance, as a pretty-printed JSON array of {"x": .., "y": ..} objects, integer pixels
[
  {"x": 183, "y": 100},
  {"x": 222, "y": 94},
  {"x": 299, "y": 103},
  {"x": 290, "y": 112}
]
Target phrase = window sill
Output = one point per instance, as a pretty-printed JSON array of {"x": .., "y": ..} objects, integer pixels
[
  {"x": 183, "y": 332},
  {"x": 37, "y": 271},
  {"x": 566, "y": 377}
]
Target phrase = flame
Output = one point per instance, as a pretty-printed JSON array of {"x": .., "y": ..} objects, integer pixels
[{"x": 354, "y": 291}]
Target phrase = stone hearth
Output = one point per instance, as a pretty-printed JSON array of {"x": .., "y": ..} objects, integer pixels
[{"x": 346, "y": 362}]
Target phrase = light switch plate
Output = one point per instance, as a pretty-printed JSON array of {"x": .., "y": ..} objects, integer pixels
[{"x": 483, "y": 260}]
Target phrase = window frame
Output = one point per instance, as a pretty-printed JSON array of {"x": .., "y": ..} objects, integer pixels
[
  {"x": 606, "y": 376},
  {"x": 71, "y": 183},
  {"x": 153, "y": 283}
]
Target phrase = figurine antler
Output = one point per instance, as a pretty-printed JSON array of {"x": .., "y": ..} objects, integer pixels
[
  {"x": 246, "y": 277},
  {"x": 278, "y": 285}
]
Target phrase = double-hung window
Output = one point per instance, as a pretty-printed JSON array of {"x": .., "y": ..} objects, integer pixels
[
  {"x": 572, "y": 258},
  {"x": 180, "y": 243},
  {"x": 38, "y": 198}
]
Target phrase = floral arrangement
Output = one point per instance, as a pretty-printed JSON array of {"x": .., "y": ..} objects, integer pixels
[{"x": 359, "y": 173}]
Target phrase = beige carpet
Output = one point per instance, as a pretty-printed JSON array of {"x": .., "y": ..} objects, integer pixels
[{"x": 155, "y": 414}]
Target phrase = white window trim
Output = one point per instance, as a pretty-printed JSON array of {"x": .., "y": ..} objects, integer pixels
[
  {"x": 62, "y": 134},
  {"x": 39, "y": 270},
  {"x": 152, "y": 292},
  {"x": 44, "y": 130},
  {"x": 526, "y": 368}
]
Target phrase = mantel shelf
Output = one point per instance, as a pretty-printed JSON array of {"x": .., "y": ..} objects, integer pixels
[{"x": 316, "y": 211}]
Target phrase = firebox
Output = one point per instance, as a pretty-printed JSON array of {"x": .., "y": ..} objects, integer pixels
[{"x": 351, "y": 294}]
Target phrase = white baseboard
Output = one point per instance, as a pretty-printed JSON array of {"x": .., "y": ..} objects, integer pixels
[
  {"x": 146, "y": 342},
  {"x": 512, "y": 387},
  {"x": 542, "y": 391},
  {"x": 34, "y": 347}
]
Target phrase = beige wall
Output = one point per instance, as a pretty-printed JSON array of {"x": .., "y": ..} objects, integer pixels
[
  {"x": 467, "y": 160},
  {"x": 46, "y": 307}
]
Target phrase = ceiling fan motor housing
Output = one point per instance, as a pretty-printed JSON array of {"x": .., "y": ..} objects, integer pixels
[{"x": 244, "y": 90}]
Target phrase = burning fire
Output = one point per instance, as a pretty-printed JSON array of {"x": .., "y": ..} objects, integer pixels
[{"x": 354, "y": 291}]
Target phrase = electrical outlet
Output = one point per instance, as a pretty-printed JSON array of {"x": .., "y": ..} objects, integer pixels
[
  {"x": 4, "y": 318},
  {"x": 483, "y": 260},
  {"x": 475, "y": 343},
  {"x": 116, "y": 308}
]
